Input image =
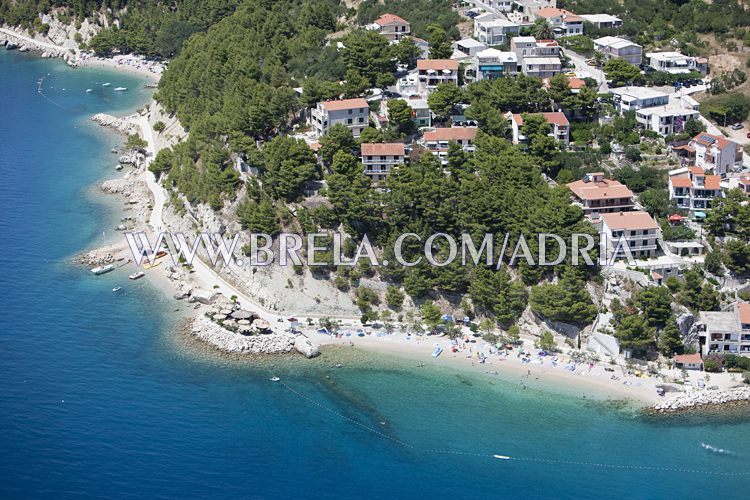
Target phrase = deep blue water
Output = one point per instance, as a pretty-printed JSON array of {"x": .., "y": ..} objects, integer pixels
[{"x": 99, "y": 398}]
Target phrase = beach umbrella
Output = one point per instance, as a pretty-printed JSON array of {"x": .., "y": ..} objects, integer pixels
[
  {"x": 240, "y": 314},
  {"x": 220, "y": 317}
]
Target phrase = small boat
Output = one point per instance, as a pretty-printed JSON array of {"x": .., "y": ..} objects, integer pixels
[
  {"x": 501, "y": 457},
  {"x": 437, "y": 351},
  {"x": 149, "y": 266},
  {"x": 117, "y": 289},
  {"x": 103, "y": 269},
  {"x": 106, "y": 84},
  {"x": 274, "y": 379},
  {"x": 89, "y": 90},
  {"x": 120, "y": 89},
  {"x": 137, "y": 275}
]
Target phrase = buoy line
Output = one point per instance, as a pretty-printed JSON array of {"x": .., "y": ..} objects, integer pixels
[{"x": 495, "y": 456}]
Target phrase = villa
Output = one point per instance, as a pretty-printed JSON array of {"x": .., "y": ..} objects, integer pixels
[
  {"x": 619, "y": 48},
  {"x": 725, "y": 331},
  {"x": 353, "y": 113},
  {"x": 603, "y": 21},
  {"x": 665, "y": 120},
  {"x": 596, "y": 195},
  {"x": 639, "y": 230},
  {"x": 468, "y": 47},
  {"x": 675, "y": 62},
  {"x": 379, "y": 159},
  {"x": 493, "y": 63},
  {"x": 491, "y": 29},
  {"x": 693, "y": 190},
  {"x": 438, "y": 140},
  {"x": 712, "y": 152},
  {"x": 392, "y": 27},
  {"x": 633, "y": 98},
  {"x": 563, "y": 22},
  {"x": 433, "y": 72},
  {"x": 559, "y": 126}
]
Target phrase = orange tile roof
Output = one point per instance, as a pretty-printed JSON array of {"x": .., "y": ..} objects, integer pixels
[
  {"x": 555, "y": 118},
  {"x": 681, "y": 182},
  {"x": 451, "y": 134},
  {"x": 315, "y": 146},
  {"x": 603, "y": 190},
  {"x": 576, "y": 83},
  {"x": 694, "y": 358},
  {"x": 629, "y": 220},
  {"x": 712, "y": 182},
  {"x": 548, "y": 12},
  {"x": 437, "y": 64},
  {"x": 388, "y": 148},
  {"x": 720, "y": 141},
  {"x": 744, "y": 312},
  {"x": 696, "y": 170},
  {"x": 389, "y": 18},
  {"x": 338, "y": 105}
]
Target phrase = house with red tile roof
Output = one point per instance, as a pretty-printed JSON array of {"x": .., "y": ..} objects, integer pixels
[
  {"x": 715, "y": 152},
  {"x": 596, "y": 194},
  {"x": 725, "y": 332},
  {"x": 636, "y": 230},
  {"x": 352, "y": 113},
  {"x": 378, "y": 159},
  {"x": 563, "y": 22},
  {"x": 433, "y": 72},
  {"x": 559, "y": 126},
  {"x": 693, "y": 190},
  {"x": 439, "y": 139},
  {"x": 393, "y": 27},
  {"x": 688, "y": 361}
]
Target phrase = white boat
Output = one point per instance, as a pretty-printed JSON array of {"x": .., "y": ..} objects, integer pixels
[
  {"x": 121, "y": 88},
  {"x": 274, "y": 379},
  {"x": 117, "y": 289},
  {"x": 89, "y": 90},
  {"x": 103, "y": 269},
  {"x": 106, "y": 84},
  {"x": 137, "y": 275},
  {"x": 436, "y": 352}
]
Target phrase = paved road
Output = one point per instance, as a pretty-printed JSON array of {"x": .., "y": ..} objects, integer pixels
[{"x": 583, "y": 70}]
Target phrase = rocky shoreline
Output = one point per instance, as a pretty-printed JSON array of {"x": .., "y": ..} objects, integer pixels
[{"x": 703, "y": 399}]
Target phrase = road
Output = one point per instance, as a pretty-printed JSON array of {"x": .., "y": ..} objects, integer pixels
[
  {"x": 583, "y": 70},
  {"x": 26, "y": 39}
]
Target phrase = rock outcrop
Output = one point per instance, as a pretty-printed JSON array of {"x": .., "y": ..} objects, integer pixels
[
  {"x": 228, "y": 341},
  {"x": 304, "y": 346},
  {"x": 698, "y": 399}
]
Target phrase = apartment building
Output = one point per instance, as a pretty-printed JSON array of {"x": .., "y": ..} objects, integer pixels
[
  {"x": 638, "y": 229},
  {"x": 528, "y": 46},
  {"x": 433, "y": 72},
  {"x": 633, "y": 98},
  {"x": 559, "y": 126},
  {"x": 379, "y": 159},
  {"x": 438, "y": 140},
  {"x": 596, "y": 195},
  {"x": 420, "y": 111},
  {"x": 693, "y": 190},
  {"x": 392, "y": 27},
  {"x": 493, "y": 63},
  {"x": 353, "y": 113},
  {"x": 491, "y": 29},
  {"x": 666, "y": 120},
  {"x": 468, "y": 47},
  {"x": 603, "y": 21},
  {"x": 563, "y": 22},
  {"x": 712, "y": 152},
  {"x": 725, "y": 331},
  {"x": 619, "y": 48},
  {"x": 675, "y": 62}
]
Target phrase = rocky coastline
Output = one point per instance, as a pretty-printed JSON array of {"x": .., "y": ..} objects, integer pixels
[{"x": 703, "y": 399}]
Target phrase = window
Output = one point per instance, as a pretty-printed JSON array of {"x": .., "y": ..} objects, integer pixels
[
  {"x": 349, "y": 111},
  {"x": 349, "y": 121}
]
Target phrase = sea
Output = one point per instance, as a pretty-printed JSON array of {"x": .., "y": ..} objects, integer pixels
[{"x": 102, "y": 397}]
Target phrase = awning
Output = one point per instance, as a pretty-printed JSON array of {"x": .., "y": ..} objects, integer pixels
[
  {"x": 700, "y": 215},
  {"x": 675, "y": 218}
]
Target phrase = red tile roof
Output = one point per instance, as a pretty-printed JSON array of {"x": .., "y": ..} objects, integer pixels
[
  {"x": 603, "y": 190},
  {"x": 388, "y": 19},
  {"x": 345, "y": 104},
  {"x": 437, "y": 64},
  {"x": 451, "y": 134},
  {"x": 377, "y": 149},
  {"x": 712, "y": 182},
  {"x": 694, "y": 358},
  {"x": 719, "y": 140},
  {"x": 548, "y": 12},
  {"x": 681, "y": 182},
  {"x": 629, "y": 220},
  {"x": 555, "y": 118},
  {"x": 744, "y": 312}
]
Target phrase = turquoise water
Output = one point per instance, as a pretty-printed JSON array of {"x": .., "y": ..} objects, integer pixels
[{"x": 99, "y": 398}]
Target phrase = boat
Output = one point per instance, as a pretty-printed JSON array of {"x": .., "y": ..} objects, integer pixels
[
  {"x": 501, "y": 457},
  {"x": 120, "y": 89},
  {"x": 89, "y": 90},
  {"x": 436, "y": 352},
  {"x": 106, "y": 84},
  {"x": 103, "y": 269},
  {"x": 149, "y": 266},
  {"x": 137, "y": 275},
  {"x": 117, "y": 289},
  {"x": 274, "y": 379}
]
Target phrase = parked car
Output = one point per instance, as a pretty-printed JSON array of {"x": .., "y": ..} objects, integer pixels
[{"x": 737, "y": 126}]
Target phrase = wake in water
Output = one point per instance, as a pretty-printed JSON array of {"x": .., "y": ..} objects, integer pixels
[{"x": 714, "y": 449}]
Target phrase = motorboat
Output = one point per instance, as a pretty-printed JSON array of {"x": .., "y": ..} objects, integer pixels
[
  {"x": 137, "y": 275},
  {"x": 89, "y": 90},
  {"x": 120, "y": 89},
  {"x": 274, "y": 379},
  {"x": 106, "y": 84},
  {"x": 103, "y": 269},
  {"x": 437, "y": 351},
  {"x": 117, "y": 289}
]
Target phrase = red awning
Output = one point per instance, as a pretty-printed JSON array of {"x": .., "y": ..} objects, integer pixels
[{"x": 675, "y": 218}]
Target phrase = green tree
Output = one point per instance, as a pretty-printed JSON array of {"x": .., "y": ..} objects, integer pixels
[
  {"x": 288, "y": 164},
  {"x": 431, "y": 314},
  {"x": 338, "y": 138},
  {"x": 369, "y": 54},
  {"x": 621, "y": 72},
  {"x": 670, "y": 341},
  {"x": 394, "y": 297},
  {"x": 443, "y": 100},
  {"x": 399, "y": 116},
  {"x": 542, "y": 29},
  {"x": 440, "y": 46},
  {"x": 634, "y": 332},
  {"x": 567, "y": 301}
]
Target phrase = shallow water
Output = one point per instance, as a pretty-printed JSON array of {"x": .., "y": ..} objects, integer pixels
[{"x": 101, "y": 398}]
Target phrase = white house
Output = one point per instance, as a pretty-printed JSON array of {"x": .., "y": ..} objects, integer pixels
[
  {"x": 675, "y": 62},
  {"x": 596, "y": 194},
  {"x": 619, "y": 48},
  {"x": 712, "y": 152},
  {"x": 693, "y": 190},
  {"x": 665, "y": 120},
  {"x": 527, "y": 8},
  {"x": 528, "y": 46},
  {"x": 433, "y": 72},
  {"x": 492, "y": 29},
  {"x": 420, "y": 111},
  {"x": 353, "y": 113},
  {"x": 563, "y": 22},
  {"x": 541, "y": 67},
  {"x": 379, "y": 159},
  {"x": 392, "y": 27},
  {"x": 688, "y": 361},
  {"x": 438, "y": 140},
  {"x": 559, "y": 126},
  {"x": 493, "y": 63},
  {"x": 634, "y": 98},
  {"x": 468, "y": 47},
  {"x": 638, "y": 229},
  {"x": 603, "y": 21},
  {"x": 725, "y": 331}
]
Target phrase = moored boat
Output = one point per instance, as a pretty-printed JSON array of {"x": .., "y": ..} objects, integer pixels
[
  {"x": 103, "y": 269},
  {"x": 137, "y": 275},
  {"x": 120, "y": 89}
]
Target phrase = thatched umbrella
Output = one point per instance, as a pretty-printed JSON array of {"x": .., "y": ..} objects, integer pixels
[
  {"x": 240, "y": 314},
  {"x": 262, "y": 324},
  {"x": 243, "y": 322},
  {"x": 220, "y": 317}
]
